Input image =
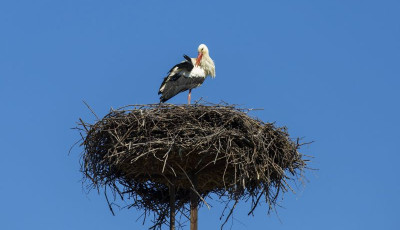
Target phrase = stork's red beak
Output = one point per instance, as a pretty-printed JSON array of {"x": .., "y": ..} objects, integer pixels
[{"x": 199, "y": 58}]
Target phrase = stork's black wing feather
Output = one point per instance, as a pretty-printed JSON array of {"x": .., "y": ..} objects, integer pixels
[
  {"x": 187, "y": 64},
  {"x": 188, "y": 59},
  {"x": 174, "y": 75},
  {"x": 182, "y": 84},
  {"x": 179, "y": 80}
]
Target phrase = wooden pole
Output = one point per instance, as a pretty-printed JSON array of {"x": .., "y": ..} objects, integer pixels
[
  {"x": 172, "y": 207},
  {"x": 193, "y": 205}
]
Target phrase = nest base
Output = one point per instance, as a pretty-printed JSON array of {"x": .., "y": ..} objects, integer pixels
[{"x": 139, "y": 152}]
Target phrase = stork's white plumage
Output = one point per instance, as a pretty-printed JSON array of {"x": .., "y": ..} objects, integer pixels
[{"x": 187, "y": 75}]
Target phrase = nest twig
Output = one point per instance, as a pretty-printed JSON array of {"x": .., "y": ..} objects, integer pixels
[{"x": 138, "y": 152}]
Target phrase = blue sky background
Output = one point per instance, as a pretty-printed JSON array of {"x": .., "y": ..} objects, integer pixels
[{"x": 328, "y": 70}]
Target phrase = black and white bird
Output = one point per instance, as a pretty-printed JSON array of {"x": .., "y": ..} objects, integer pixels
[{"x": 187, "y": 75}]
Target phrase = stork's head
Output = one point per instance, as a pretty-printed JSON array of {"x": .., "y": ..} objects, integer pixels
[{"x": 202, "y": 50}]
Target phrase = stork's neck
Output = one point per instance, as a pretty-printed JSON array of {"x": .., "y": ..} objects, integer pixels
[
  {"x": 204, "y": 60},
  {"x": 207, "y": 64}
]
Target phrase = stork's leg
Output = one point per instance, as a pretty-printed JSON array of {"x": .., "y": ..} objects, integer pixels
[{"x": 189, "y": 96}]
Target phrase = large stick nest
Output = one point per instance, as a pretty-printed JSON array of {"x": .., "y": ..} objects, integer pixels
[{"x": 140, "y": 151}]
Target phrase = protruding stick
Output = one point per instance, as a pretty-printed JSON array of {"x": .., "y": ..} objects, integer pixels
[
  {"x": 193, "y": 205},
  {"x": 172, "y": 207}
]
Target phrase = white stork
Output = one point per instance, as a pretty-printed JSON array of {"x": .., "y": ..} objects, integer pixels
[{"x": 187, "y": 75}]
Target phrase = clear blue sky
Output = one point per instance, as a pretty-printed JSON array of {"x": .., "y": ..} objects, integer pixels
[{"x": 328, "y": 70}]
